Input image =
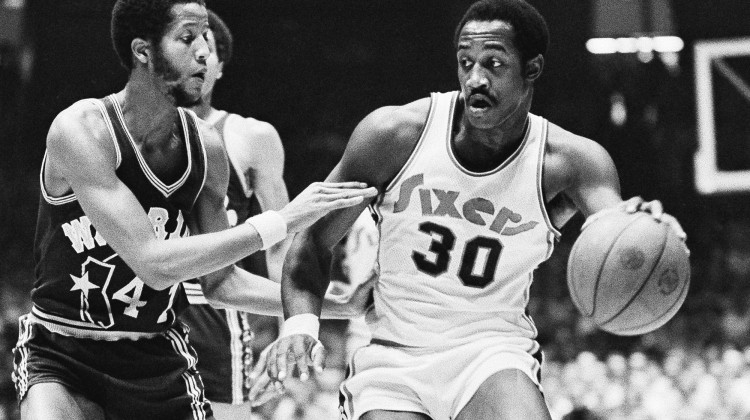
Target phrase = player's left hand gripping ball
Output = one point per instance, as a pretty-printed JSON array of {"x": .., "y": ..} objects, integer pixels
[{"x": 655, "y": 209}]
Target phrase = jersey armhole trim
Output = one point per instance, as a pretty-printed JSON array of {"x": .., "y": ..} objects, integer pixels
[
  {"x": 540, "y": 179},
  {"x": 205, "y": 155},
  {"x": 69, "y": 198},
  {"x": 420, "y": 142},
  {"x": 507, "y": 162},
  {"x": 55, "y": 201},
  {"x": 164, "y": 189},
  {"x": 111, "y": 129}
]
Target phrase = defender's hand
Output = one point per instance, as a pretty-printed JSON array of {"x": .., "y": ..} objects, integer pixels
[
  {"x": 263, "y": 390},
  {"x": 655, "y": 209},
  {"x": 294, "y": 354},
  {"x": 320, "y": 198}
]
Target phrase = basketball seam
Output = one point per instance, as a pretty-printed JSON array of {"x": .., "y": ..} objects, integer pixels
[
  {"x": 601, "y": 268},
  {"x": 574, "y": 294},
  {"x": 640, "y": 288},
  {"x": 680, "y": 300}
]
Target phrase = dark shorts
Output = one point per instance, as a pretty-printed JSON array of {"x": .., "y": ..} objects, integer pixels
[
  {"x": 151, "y": 378},
  {"x": 223, "y": 340}
]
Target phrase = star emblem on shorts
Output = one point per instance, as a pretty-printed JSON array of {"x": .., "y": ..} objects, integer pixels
[{"x": 83, "y": 284}]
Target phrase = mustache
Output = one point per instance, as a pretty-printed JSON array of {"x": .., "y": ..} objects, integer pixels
[{"x": 482, "y": 91}]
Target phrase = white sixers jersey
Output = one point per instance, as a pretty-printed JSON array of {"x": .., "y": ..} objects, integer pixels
[{"x": 458, "y": 248}]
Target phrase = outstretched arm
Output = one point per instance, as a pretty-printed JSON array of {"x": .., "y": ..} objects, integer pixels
[
  {"x": 232, "y": 287},
  {"x": 81, "y": 157}
]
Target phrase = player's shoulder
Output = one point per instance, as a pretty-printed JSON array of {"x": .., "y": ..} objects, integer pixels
[
  {"x": 571, "y": 147},
  {"x": 253, "y": 131},
  {"x": 383, "y": 141},
  {"x": 78, "y": 125},
  {"x": 251, "y": 126},
  {"x": 398, "y": 123},
  {"x": 571, "y": 160}
]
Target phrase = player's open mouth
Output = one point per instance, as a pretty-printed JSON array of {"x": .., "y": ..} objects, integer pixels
[
  {"x": 200, "y": 75},
  {"x": 479, "y": 103}
]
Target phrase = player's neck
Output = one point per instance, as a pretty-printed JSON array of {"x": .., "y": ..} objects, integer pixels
[
  {"x": 148, "y": 113},
  {"x": 203, "y": 108},
  {"x": 483, "y": 149}
]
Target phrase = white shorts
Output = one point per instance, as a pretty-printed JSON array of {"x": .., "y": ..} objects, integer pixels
[{"x": 438, "y": 383}]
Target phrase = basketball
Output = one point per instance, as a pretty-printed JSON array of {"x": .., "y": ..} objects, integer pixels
[{"x": 628, "y": 273}]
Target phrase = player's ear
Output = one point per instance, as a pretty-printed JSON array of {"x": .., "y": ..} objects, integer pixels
[
  {"x": 534, "y": 67},
  {"x": 141, "y": 49},
  {"x": 220, "y": 72}
]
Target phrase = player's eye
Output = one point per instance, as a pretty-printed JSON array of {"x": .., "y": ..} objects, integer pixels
[
  {"x": 495, "y": 63},
  {"x": 465, "y": 63},
  {"x": 187, "y": 38}
]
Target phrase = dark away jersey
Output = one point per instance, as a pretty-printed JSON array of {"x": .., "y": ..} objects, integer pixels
[{"x": 83, "y": 288}]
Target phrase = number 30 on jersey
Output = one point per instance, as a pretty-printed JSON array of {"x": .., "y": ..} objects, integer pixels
[{"x": 473, "y": 271}]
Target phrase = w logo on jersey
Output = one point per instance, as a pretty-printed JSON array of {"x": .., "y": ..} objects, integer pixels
[{"x": 92, "y": 285}]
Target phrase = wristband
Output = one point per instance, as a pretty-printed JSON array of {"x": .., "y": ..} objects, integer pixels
[
  {"x": 271, "y": 227},
  {"x": 301, "y": 324}
]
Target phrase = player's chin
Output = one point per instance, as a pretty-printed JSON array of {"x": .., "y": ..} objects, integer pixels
[
  {"x": 482, "y": 118},
  {"x": 188, "y": 96}
]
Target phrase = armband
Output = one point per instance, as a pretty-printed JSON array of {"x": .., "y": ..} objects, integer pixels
[
  {"x": 271, "y": 227},
  {"x": 301, "y": 324}
]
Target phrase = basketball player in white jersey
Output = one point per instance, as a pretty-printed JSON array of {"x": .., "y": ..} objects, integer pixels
[
  {"x": 223, "y": 338},
  {"x": 473, "y": 190}
]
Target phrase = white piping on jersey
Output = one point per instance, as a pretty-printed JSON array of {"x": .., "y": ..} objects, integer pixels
[
  {"x": 540, "y": 181},
  {"x": 194, "y": 293},
  {"x": 55, "y": 201},
  {"x": 526, "y": 298},
  {"x": 21, "y": 371},
  {"x": 425, "y": 130},
  {"x": 69, "y": 198},
  {"x": 165, "y": 189},
  {"x": 111, "y": 128},
  {"x": 203, "y": 150},
  {"x": 433, "y": 105},
  {"x": 505, "y": 163},
  {"x": 50, "y": 322},
  {"x": 236, "y": 352},
  {"x": 190, "y": 375}
]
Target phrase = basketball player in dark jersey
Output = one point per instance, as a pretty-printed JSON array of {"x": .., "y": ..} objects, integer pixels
[
  {"x": 473, "y": 188},
  {"x": 125, "y": 182},
  {"x": 223, "y": 337}
]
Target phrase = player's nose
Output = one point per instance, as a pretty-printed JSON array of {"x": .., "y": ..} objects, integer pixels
[
  {"x": 476, "y": 78},
  {"x": 202, "y": 51}
]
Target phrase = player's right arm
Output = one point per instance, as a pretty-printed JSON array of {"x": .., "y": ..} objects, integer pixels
[
  {"x": 581, "y": 176},
  {"x": 377, "y": 150},
  {"x": 81, "y": 157}
]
